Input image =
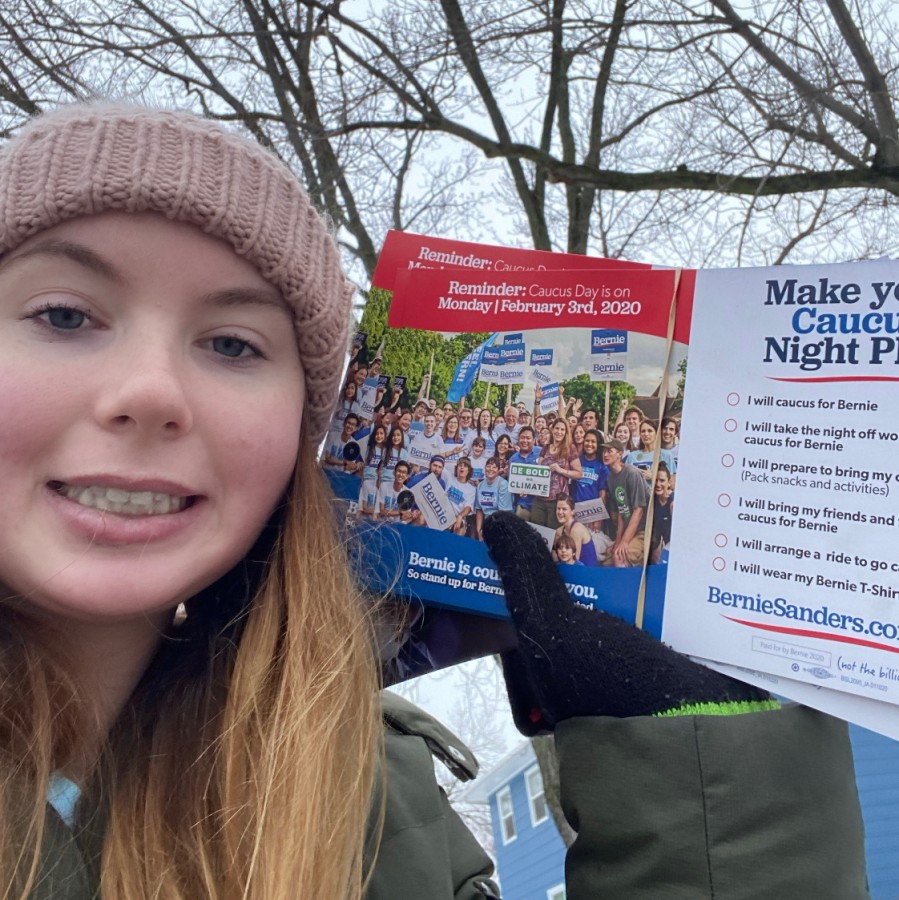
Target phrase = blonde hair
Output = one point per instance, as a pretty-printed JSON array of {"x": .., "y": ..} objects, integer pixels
[{"x": 243, "y": 766}]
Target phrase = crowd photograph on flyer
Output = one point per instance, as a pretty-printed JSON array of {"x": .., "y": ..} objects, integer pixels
[{"x": 570, "y": 455}]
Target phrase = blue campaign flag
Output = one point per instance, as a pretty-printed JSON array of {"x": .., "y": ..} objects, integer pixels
[
  {"x": 542, "y": 357},
  {"x": 608, "y": 340},
  {"x": 467, "y": 370}
]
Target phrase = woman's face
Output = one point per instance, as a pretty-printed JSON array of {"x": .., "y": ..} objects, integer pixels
[
  {"x": 591, "y": 445},
  {"x": 539, "y": 424},
  {"x": 663, "y": 483},
  {"x": 380, "y": 436},
  {"x": 463, "y": 470},
  {"x": 405, "y": 421},
  {"x": 579, "y": 433},
  {"x": 504, "y": 444},
  {"x": 396, "y": 437},
  {"x": 563, "y": 512},
  {"x": 623, "y": 434},
  {"x": 647, "y": 434},
  {"x": 349, "y": 392},
  {"x": 545, "y": 437},
  {"x": 559, "y": 430},
  {"x": 452, "y": 425},
  {"x": 485, "y": 420},
  {"x": 149, "y": 418}
]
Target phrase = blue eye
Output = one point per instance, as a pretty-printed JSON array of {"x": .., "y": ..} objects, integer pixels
[
  {"x": 62, "y": 318},
  {"x": 233, "y": 348}
]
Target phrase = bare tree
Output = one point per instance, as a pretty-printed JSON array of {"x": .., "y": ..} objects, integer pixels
[
  {"x": 674, "y": 131},
  {"x": 477, "y": 715}
]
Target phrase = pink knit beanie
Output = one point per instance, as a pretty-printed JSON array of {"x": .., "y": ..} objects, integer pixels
[{"x": 85, "y": 159}]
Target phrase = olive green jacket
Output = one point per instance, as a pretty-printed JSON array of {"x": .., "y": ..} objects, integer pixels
[{"x": 762, "y": 805}]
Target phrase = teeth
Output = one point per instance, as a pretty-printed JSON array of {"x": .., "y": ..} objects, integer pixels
[{"x": 123, "y": 503}]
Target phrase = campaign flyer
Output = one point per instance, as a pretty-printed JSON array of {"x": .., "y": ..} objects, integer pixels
[
  {"x": 787, "y": 517},
  {"x": 407, "y": 250},
  {"x": 472, "y": 390}
]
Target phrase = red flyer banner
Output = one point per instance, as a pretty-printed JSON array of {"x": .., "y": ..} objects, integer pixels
[
  {"x": 404, "y": 250},
  {"x": 464, "y": 301}
]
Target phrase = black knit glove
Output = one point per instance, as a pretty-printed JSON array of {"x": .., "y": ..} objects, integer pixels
[{"x": 574, "y": 661}]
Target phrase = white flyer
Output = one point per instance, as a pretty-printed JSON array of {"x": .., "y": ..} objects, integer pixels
[{"x": 785, "y": 560}]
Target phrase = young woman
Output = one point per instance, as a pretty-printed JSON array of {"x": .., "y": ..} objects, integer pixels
[
  {"x": 396, "y": 451},
  {"x": 561, "y": 456},
  {"x": 622, "y": 434},
  {"x": 453, "y": 445},
  {"x": 585, "y": 552},
  {"x": 484, "y": 429},
  {"x": 504, "y": 453},
  {"x": 347, "y": 400},
  {"x": 171, "y": 350},
  {"x": 594, "y": 474},
  {"x": 662, "y": 513},
  {"x": 492, "y": 496},
  {"x": 577, "y": 435},
  {"x": 173, "y": 321},
  {"x": 642, "y": 458},
  {"x": 461, "y": 493},
  {"x": 375, "y": 455}
]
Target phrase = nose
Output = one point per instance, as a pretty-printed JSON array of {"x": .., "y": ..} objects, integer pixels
[{"x": 144, "y": 390}]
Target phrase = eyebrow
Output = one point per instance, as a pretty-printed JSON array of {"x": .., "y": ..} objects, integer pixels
[
  {"x": 94, "y": 262},
  {"x": 241, "y": 296},
  {"x": 70, "y": 250}
]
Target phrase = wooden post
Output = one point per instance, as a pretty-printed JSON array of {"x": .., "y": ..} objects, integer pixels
[{"x": 605, "y": 430}]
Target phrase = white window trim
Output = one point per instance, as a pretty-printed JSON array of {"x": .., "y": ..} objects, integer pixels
[
  {"x": 557, "y": 892},
  {"x": 506, "y": 792},
  {"x": 527, "y": 787}
]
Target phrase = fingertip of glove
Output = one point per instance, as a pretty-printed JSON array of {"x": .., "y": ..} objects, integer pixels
[
  {"x": 500, "y": 525},
  {"x": 506, "y": 535}
]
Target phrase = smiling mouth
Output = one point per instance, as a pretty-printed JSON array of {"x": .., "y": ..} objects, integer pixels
[{"x": 121, "y": 502}]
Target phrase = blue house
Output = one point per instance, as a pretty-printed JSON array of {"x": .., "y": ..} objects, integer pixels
[{"x": 530, "y": 854}]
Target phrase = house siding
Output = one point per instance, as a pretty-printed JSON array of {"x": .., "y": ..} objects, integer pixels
[{"x": 534, "y": 862}]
